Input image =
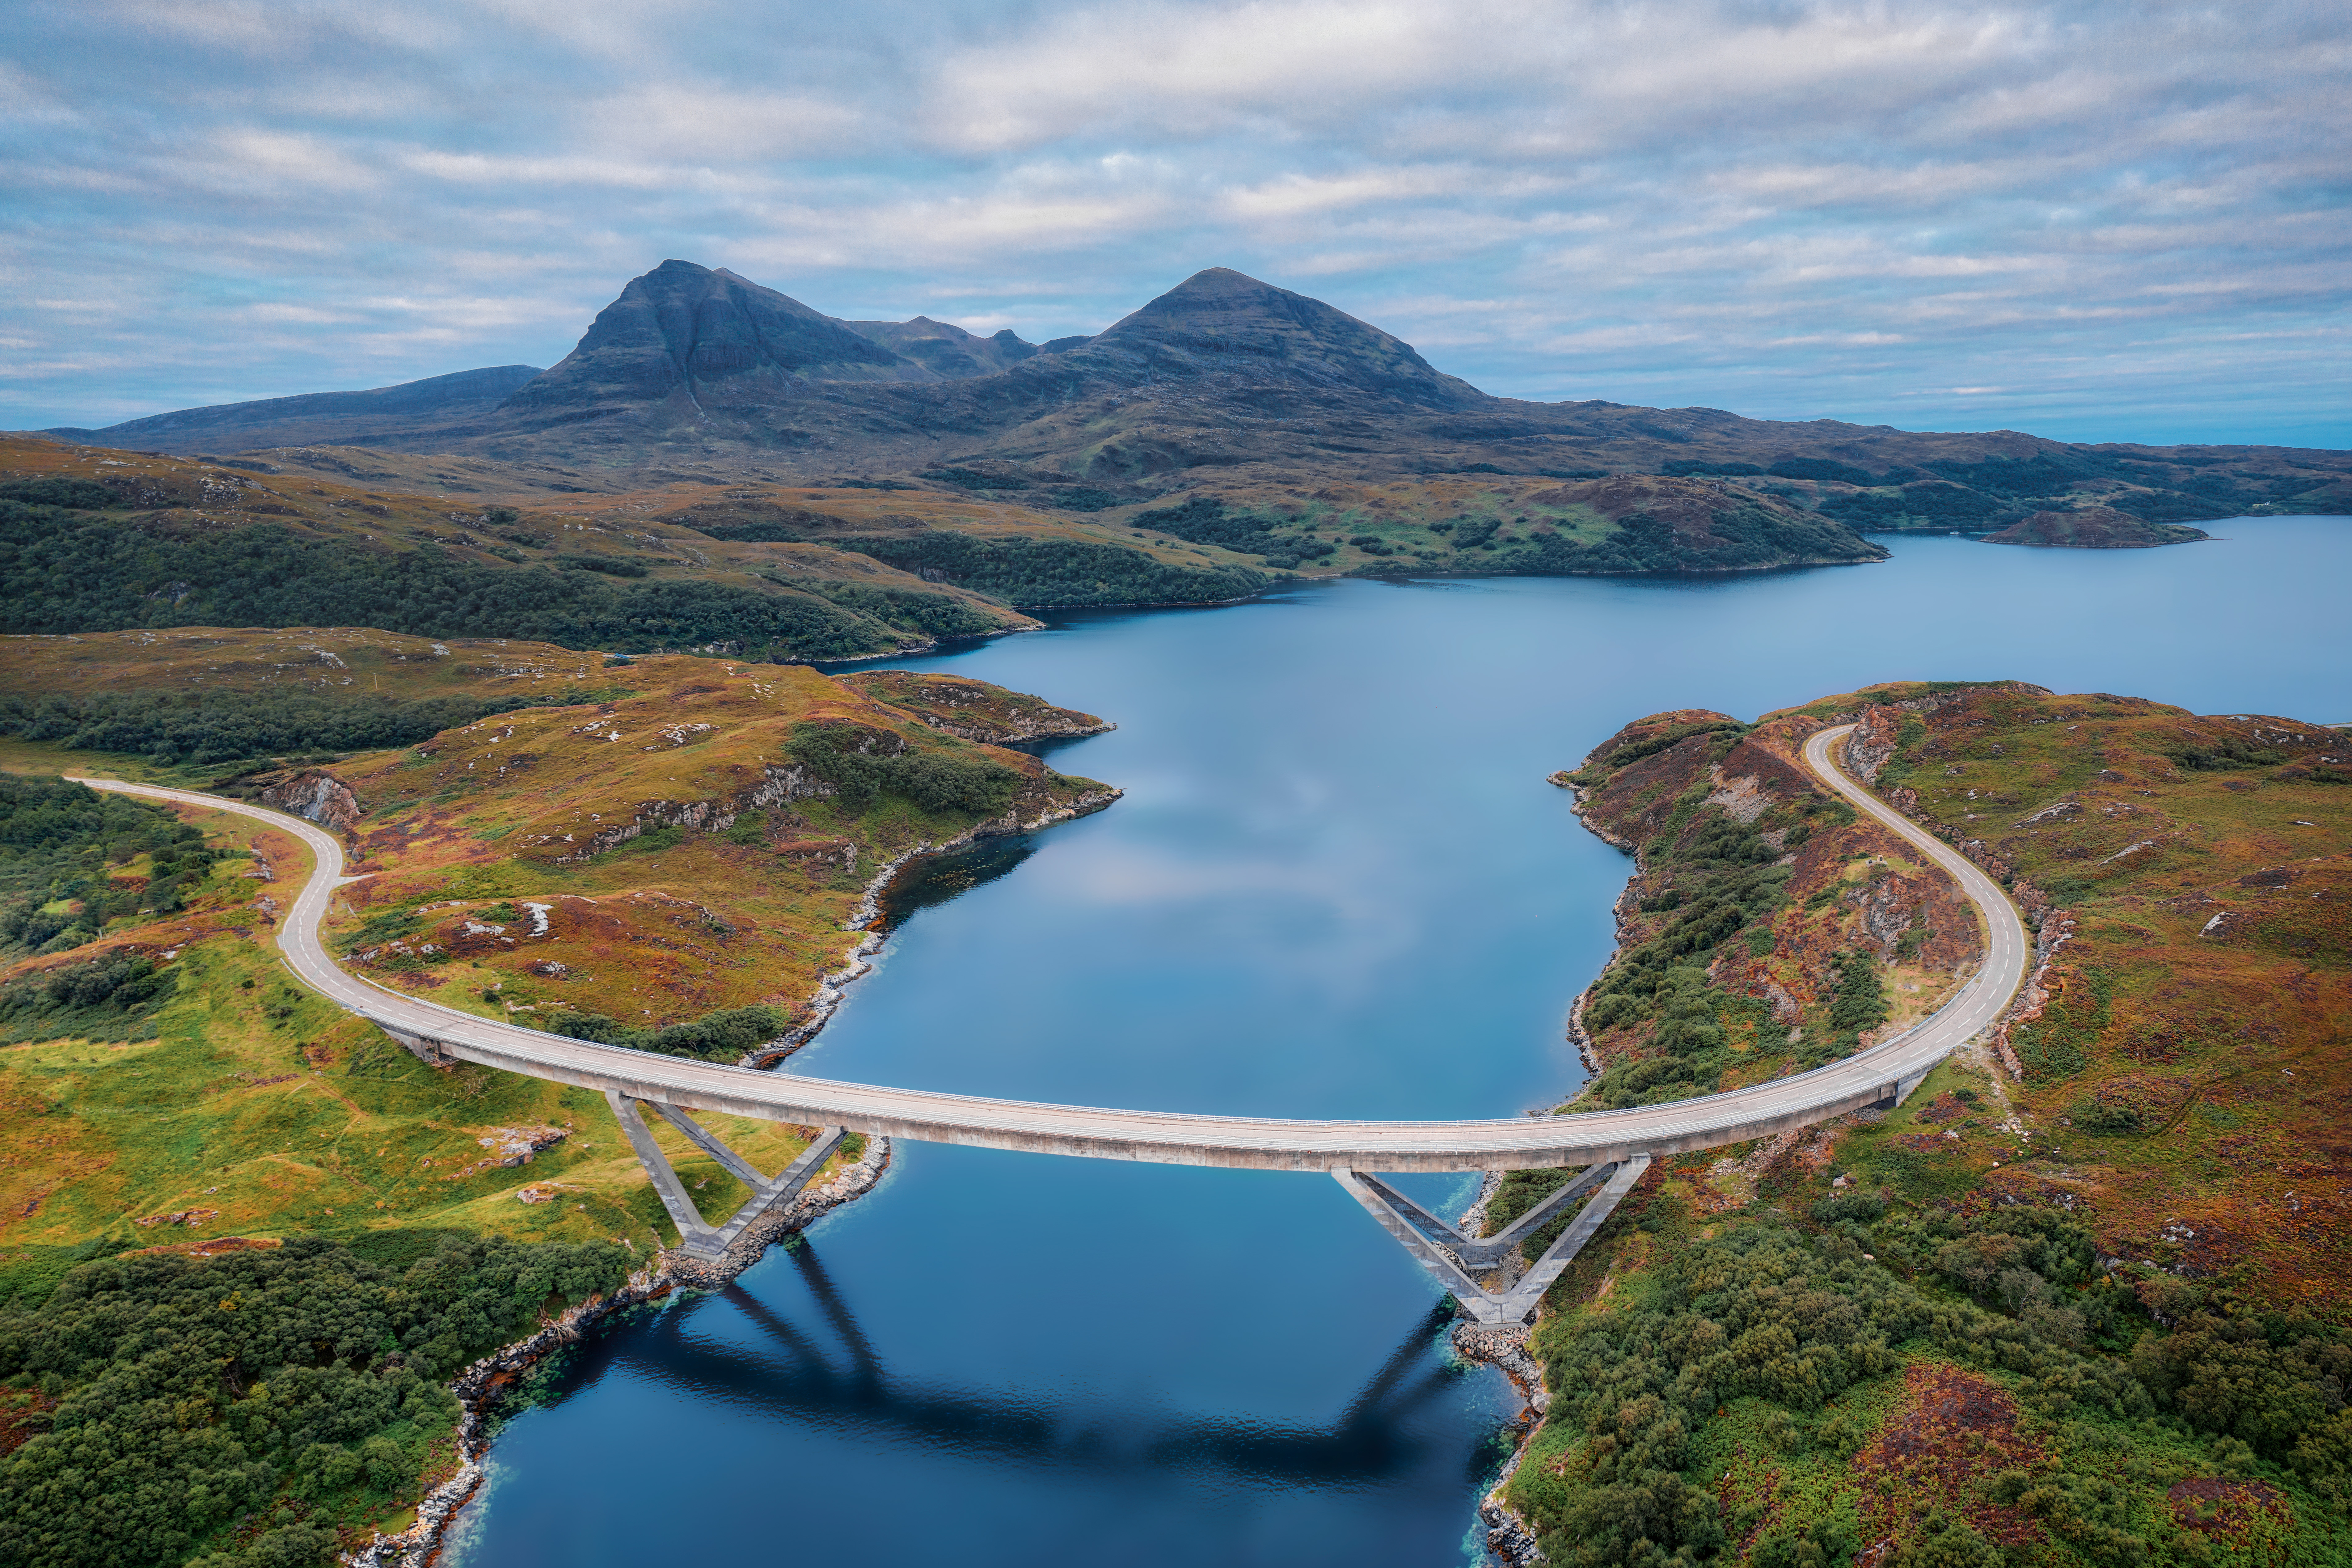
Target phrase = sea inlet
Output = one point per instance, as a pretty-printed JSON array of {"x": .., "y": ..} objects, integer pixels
[{"x": 1338, "y": 886}]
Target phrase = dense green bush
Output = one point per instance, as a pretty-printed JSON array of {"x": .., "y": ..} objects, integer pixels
[
  {"x": 58, "y": 489},
  {"x": 1086, "y": 498},
  {"x": 844, "y": 755},
  {"x": 55, "y": 838},
  {"x": 1745, "y": 535},
  {"x": 723, "y": 1036},
  {"x": 1859, "y": 1001},
  {"x": 1720, "y": 880},
  {"x": 973, "y": 480},
  {"x": 1057, "y": 572},
  {"x": 936, "y": 615},
  {"x": 108, "y": 998},
  {"x": 2214, "y": 753},
  {"x": 1933, "y": 504},
  {"x": 1768, "y": 1313},
  {"x": 1204, "y": 520},
  {"x": 278, "y": 1388},
  {"x": 611, "y": 566}
]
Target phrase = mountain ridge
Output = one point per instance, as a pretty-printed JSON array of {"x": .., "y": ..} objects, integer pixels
[{"x": 1222, "y": 383}]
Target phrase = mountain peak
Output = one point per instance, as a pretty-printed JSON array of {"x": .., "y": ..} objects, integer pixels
[
  {"x": 1221, "y": 322},
  {"x": 699, "y": 335}
]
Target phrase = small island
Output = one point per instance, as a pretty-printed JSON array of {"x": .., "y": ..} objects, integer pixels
[{"x": 2094, "y": 528}]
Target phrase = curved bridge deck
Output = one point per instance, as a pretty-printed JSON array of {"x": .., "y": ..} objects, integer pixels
[{"x": 674, "y": 1087}]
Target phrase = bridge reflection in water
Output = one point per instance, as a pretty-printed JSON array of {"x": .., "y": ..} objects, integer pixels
[{"x": 824, "y": 1372}]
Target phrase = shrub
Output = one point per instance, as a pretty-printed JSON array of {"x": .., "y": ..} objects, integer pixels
[
  {"x": 191, "y": 1390},
  {"x": 846, "y": 756}
]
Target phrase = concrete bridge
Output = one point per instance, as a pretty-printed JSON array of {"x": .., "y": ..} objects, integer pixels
[{"x": 1613, "y": 1146}]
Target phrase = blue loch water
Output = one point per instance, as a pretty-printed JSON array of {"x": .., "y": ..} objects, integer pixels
[{"x": 1338, "y": 885}]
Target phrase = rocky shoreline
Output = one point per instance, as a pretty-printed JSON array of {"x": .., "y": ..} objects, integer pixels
[
  {"x": 829, "y": 994},
  {"x": 1508, "y": 1535},
  {"x": 483, "y": 1385}
]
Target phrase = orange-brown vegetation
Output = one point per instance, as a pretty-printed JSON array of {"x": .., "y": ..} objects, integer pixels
[
  {"x": 2187, "y": 1074},
  {"x": 651, "y": 859},
  {"x": 1949, "y": 1429},
  {"x": 2082, "y": 1297},
  {"x": 330, "y": 661}
]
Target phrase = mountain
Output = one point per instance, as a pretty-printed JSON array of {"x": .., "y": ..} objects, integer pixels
[
  {"x": 1224, "y": 385},
  {"x": 1220, "y": 324},
  {"x": 1235, "y": 383},
  {"x": 385, "y": 414},
  {"x": 683, "y": 340}
]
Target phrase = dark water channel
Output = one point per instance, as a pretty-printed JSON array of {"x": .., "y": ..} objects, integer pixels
[{"x": 1338, "y": 885}]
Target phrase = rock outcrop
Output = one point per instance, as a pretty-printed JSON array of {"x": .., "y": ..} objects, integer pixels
[{"x": 317, "y": 795}]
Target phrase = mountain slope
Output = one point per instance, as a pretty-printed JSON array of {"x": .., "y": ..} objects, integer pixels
[{"x": 317, "y": 416}]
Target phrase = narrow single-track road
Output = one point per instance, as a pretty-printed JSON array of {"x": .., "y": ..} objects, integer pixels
[{"x": 1884, "y": 1072}]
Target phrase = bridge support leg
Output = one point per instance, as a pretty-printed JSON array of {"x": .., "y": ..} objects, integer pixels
[
  {"x": 696, "y": 1237},
  {"x": 1453, "y": 1259}
]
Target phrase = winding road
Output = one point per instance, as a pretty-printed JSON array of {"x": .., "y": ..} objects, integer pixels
[{"x": 1885, "y": 1071}]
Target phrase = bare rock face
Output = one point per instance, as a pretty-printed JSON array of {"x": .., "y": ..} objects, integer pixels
[
  {"x": 317, "y": 795},
  {"x": 1872, "y": 744},
  {"x": 946, "y": 349}
]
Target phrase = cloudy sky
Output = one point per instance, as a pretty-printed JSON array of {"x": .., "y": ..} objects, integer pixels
[{"x": 2118, "y": 219}]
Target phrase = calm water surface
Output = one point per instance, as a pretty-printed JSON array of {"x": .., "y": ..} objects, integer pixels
[{"x": 1338, "y": 885}]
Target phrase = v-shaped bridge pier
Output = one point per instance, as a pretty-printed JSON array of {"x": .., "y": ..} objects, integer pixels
[
  {"x": 697, "y": 1237},
  {"x": 1457, "y": 1261}
]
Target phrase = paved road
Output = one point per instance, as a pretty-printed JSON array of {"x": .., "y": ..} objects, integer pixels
[{"x": 1171, "y": 1137}]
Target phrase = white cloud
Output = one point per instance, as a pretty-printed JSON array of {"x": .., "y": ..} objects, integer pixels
[{"x": 1749, "y": 203}]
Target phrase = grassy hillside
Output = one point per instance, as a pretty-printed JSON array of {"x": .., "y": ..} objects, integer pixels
[
  {"x": 626, "y": 868},
  {"x": 2082, "y": 1297},
  {"x": 101, "y": 541},
  {"x": 204, "y": 696},
  {"x": 793, "y": 570}
]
